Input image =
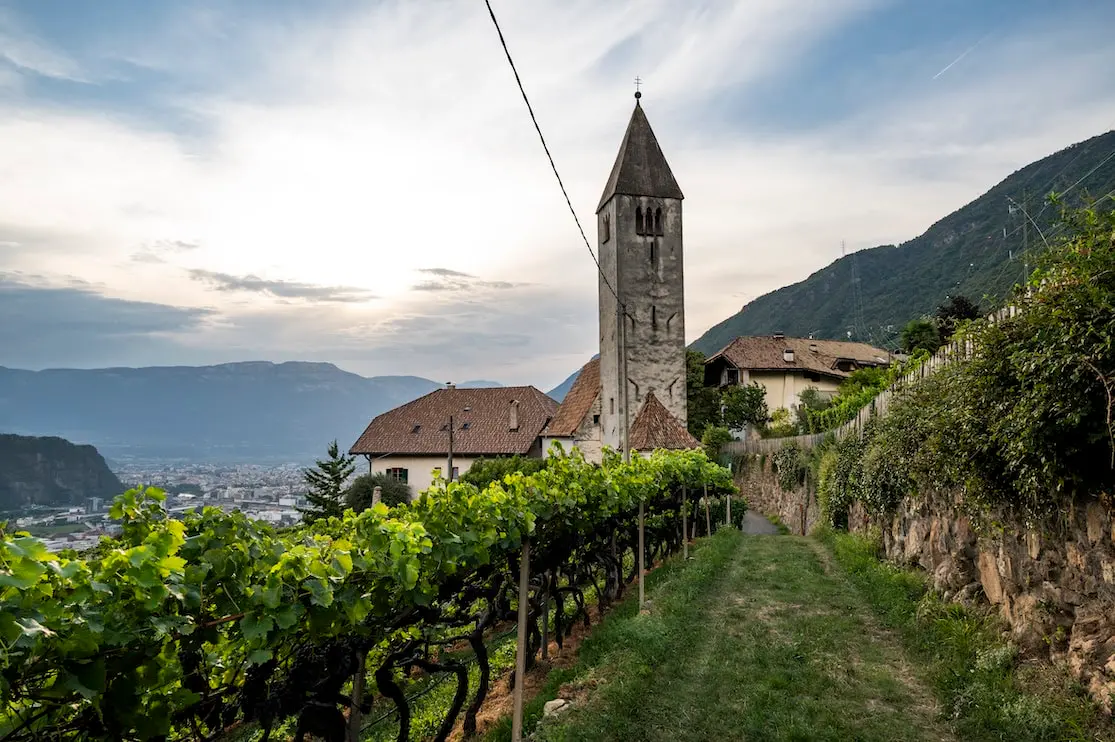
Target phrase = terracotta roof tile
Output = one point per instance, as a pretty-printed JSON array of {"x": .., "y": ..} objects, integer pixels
[
  {"x": 578, "y": 400},
  {"x": 766, "y": 352},
  {"x": 655, "y": 427},
  {"x": 421, "y": 426}
]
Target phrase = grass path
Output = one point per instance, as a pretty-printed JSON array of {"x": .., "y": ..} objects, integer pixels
[{"x": 757, "y": 639}]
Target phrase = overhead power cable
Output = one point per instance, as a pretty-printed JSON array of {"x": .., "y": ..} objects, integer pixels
[{"x": 550, "y": 157}]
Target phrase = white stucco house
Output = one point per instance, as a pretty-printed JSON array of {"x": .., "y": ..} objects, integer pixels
[
  {"x": 787, "y": 366},
  {"x": 411, "y": 442}
]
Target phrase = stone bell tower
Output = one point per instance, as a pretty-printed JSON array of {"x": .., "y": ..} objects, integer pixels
[{"x": 642, "y": 341}]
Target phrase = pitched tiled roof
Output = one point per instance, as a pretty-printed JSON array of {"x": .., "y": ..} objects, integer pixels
[
  {"x": 655, "y": 427},
  {"x": 578, "y": 400},
  {"x": 766, "y": 353},
  {"x": 421, "y": 426},
  {"x": 640, "y": 168}
]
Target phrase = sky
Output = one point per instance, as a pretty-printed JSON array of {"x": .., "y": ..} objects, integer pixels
[{"x": 186, "y": 183}]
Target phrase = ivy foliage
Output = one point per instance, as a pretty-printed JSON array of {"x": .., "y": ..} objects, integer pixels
[
  {"x": 791, "y": 465},
  {"x": 1025, "y": 418},
  {"x": 181, "y": 629}
]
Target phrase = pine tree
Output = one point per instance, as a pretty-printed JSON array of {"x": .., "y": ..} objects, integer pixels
[{"x": 327, "y": 485}]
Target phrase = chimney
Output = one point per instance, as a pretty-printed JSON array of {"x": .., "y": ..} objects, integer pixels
[
  {"x": 450, "y": 385},
  {"x": 779, "y": 336},
  {"x": 813, "y": 347},
  {"x": 514, "y": 415},
  {"x": 788, "y": 355}
]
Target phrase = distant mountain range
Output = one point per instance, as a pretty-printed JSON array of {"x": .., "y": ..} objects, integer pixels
[
  {"x": 234, "y": 412},
  {"x": 51, "y": 471},
  {"x": 976, "y": 251}
]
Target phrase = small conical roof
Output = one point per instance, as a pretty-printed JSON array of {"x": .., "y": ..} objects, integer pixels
[{"x": 641, "y": 168}]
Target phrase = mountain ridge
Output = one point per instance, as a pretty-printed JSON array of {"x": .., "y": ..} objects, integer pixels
[
  {"x": 977, "y": 251},
  {"x": 235, "y": 412}
]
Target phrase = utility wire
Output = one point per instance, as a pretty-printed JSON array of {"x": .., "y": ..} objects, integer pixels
[{"x": 550, "y": 157}]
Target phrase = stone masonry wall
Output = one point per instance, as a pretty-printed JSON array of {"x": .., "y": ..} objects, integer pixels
[
  {"x": 1053, "y": 586},
  {"x": 758, "y": 483}
]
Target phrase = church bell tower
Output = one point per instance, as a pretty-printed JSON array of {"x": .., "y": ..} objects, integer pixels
[{"x": 642, "y": 335}]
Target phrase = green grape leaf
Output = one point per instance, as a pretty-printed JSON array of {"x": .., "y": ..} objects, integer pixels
[
  {"x": 255, "y": 627},
  {"x": 320, "y": 593},
  {"x": 31, "y": 627},
  {"x": 259, "y": 656},
  {"x": 23, "y": 574}
]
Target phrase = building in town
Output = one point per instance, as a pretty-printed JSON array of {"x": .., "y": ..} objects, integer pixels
[{"x": 412, "y": 442}]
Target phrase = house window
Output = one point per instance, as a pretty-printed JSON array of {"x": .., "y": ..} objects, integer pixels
[
  {"x": 398, "y": 473},
  {"x": 607, "y": 229},
  {"x": 416, "y": 428},
  {"x": 596, "y": 419},
  {"x": 810, "y": 376},
  {"x": 733, "y": 376},
  {"x": 639, "y": 221},
  {"x": 657, "y": 221},
  {"x": 464, "y": 426},
  {"x": 456, "y": 473},
  {"x": 436, "y": 472}
]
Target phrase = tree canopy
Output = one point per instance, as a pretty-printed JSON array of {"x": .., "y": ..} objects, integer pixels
[{"x": 326, "y": 485}]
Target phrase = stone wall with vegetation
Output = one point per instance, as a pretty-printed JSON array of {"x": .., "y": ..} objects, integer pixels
[
  {"x": 996, "y": 473},
  {"x": 791, "y": 498},
  {"x": 1052, "y": 584}
]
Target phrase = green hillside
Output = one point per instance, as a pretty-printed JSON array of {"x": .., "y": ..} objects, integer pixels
[
  {"x": 967, "y": 252},
  {"x": 51, "y": 471}
]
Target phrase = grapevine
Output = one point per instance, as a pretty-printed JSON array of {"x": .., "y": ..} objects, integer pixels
[{"x": 181, "y": 629}]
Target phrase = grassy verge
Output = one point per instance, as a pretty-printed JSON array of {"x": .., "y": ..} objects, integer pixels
[
  {"x": 985, "y": 689},
  {"x": 755, "y": 640},
  {"x": 628, "y": 646}
]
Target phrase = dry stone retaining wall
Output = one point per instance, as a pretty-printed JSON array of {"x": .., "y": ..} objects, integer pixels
[{"x": 1053, "y": 585}]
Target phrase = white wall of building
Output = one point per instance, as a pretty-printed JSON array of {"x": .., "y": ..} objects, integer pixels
[{"x": 419, "y": 468}]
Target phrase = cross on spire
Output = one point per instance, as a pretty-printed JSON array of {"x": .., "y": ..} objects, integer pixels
[{"x": 638, "y": 82}]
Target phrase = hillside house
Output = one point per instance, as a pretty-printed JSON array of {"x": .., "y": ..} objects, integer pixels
[
  {"x": 787, "y": 366},
  {"x": 411, "y": 442}
]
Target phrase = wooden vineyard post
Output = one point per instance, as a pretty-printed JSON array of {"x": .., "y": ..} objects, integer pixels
[
  {"x": 708, "y": 515},
  {"x": 684, "y": 524},
  {"x": 728, "y": 511},
  {"x": 357, "y": 699},
  {"x": 642, "y": 555},
  {"x": 545, "y": 624},
  {"x": 521, "y": 645}
]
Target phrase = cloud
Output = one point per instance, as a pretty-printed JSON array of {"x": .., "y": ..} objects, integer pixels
[
  {"x": 22, "y": 50},
  {"x": 276, "y": 154},
  {"x": 42, "y": 324},
  {"x": 451, "y": 280},
  {"x": 281, "y": 289}
]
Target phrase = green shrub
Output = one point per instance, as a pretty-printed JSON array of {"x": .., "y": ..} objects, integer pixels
[{"x": 359, "y": 495}]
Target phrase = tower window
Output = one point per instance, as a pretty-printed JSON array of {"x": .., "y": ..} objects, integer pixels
[
  {"x": 653, "y": 253},
  {"x": 653, "y": 316},
  {"x": 607, "y": 229},
  {"x": 657, "y": 221},
  {"x": 611, "y": 405},
  {"x": 639, "y": 220}
]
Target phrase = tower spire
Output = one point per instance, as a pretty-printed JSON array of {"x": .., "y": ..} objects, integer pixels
[{"x": 640, "y": 168}]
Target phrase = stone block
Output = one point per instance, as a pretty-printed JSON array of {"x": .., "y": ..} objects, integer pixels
[
  {"x": 989, "y": 578},
  {"x": 1095, "y": 518},
  {"x": 1033, "y": 544}
]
